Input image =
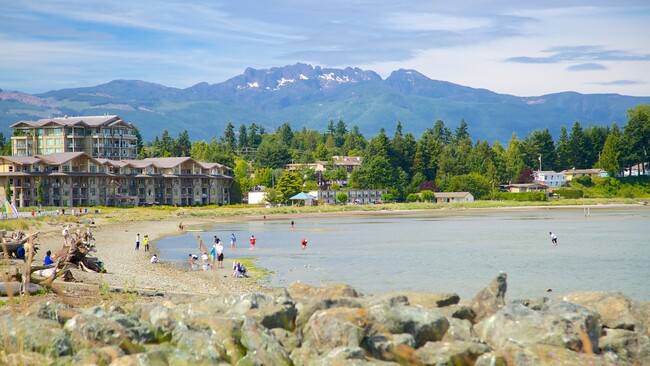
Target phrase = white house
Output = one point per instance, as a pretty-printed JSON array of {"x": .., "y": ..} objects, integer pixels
[{"x": 550, "y": 178}]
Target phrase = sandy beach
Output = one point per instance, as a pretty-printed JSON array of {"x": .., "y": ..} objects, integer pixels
[{"x": 128, "y": 268}]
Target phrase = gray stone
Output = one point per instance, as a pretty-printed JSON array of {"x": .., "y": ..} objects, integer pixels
[
  {"x": 93, "y": 329},
  {"x": 458, "y": 312},
  {"x": 307, "y": 308},
  {"x": 336, "y": 327},
  {"x": 198, "y": 343},
  {"x": 451, "y": 353},
  {"x": 287, "y": 339},
  {"x": 276, "y": 316},
  {"x": 491, "y": 299},
  {"x": 460, "y": 330},
  {"x": 262, "y": 348},
  {"x": 97, "y": 356},
  {"x": 615, "y": 309},
  {"x": 424, "y": 324},
  {"x": 564, "y": 325},
  {"x": 390, "y": 347},
  {"x": 546, "y": 355},
  {"x": 33, "y": 334},
  {"x": 52, "y": 310},
  {"x": 300, "y": 290},
  {"x": 626, "y": 345},
  {"x": 489, "y": 359}
]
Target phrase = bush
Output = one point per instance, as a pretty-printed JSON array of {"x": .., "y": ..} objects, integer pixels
[
  {"x": 570, "y": 193},
  {"x": 585, "y": 181},
  {"x": 412, "y": 197},
  {"x": 520, "y": 196}
]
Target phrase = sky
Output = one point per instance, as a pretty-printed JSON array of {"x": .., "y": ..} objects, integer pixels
[{"x": 518, "y": 47}]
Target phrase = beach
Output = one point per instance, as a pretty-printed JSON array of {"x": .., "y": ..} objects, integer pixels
[{"x": 128, "y": 268}]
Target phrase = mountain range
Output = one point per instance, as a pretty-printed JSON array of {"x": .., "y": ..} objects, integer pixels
[{"x": 310, "y": 97}]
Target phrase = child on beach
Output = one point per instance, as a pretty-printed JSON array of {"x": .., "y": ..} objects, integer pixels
[
  {"x": 553, "y": 239},
  {"x": 253, "y": 241},
  {"x": 154, "y": 259},
  {"x": 146, "y": 243},
  {"x": 233, "y": 241}
]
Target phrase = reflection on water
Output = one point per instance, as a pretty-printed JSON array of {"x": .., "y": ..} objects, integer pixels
[{"x": 449, "y": 251}]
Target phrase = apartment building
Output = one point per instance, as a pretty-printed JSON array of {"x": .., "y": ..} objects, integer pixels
[
  {"x": 75, "y": 179},
  {"x": 106, "y": 137}
]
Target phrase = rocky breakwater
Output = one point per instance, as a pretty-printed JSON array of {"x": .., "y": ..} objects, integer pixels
[{"x": 334, "y": 325}]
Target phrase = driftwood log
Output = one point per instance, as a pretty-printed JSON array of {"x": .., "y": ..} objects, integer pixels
[{"x": 10, "y": 247}]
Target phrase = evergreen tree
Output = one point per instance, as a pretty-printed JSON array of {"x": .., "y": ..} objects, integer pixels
[
  {"x": 514, "y": 160},
  {"x": 462, "y": 131},
  {"x": 637, "y": 135},
  {"x": 610, "y": 157},
  {"x": 579, "y": 147},
  {"x": 563, "y": 150},
  {"x": 285, "y": 134},
  {"x": 254, "y": 135},
  {"x": 377, "y": 147},
  {"x": 242, "y": 142},
  {"x": 229, "y": 137},
  {"x": 183, "y": 145}
]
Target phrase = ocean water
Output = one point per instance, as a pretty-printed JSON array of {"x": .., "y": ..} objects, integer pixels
[{"x": 443, "y": 251}]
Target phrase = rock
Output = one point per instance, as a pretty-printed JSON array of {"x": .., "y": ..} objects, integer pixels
[
  {"x": 33, "y": 334},
  {"x": 347, "y": 356},
  {"x": 332, "y": 328},
  {"x": 276, "y": 315},
  {"x": 489, "y": 359},
  {"x": 458, "y": 312},
  {"x": 54, "y": 311},
  {"x": 287, "y": 339},
  {"x": 88, "y": 330},
  {"x": 424, "y": 324},
  {"x": 334, "y": 291},
  {"x": 546, "y": 355},
  {"x": 492, "y": 298},
  {"x": 615, "y": 309},
  {"x": 626, "y": 345},
  {"x": 262, "y": 348},
  {"x": 391, "y": 347},
  {"x": 25, "y": 359},
  {"x": 14, "y": 287},
  {"x": 97, "y": 356},
  {"x": 460, "y": 330},
  {"x": 309, "y": 307},
  {"x": 451, "y": 353},
  {"x": 433, "y": 300},
  {"x": 564, "y": 325},
  {"x": 198, "y": 343}
]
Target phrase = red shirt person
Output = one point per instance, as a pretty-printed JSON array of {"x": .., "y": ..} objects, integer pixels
[{"x": 253, "y": 240}]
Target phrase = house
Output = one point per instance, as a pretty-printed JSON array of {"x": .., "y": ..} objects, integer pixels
[
  {"x": 579, "y": 173},
  {"x": 106, "y": 137},
  {"x": 453, "y": 197},
  {"x": 348, "y": 163},
  {"x": 356, "y": 196},
  {"x": 77, "y": 179},
  {"x": 526, "y": 187},
  {"x": 550, "y": 178}
]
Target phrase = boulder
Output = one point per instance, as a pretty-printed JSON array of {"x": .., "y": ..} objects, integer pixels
[
  {"x": 460, "y": 330},
  {"x": 424, "y": 324},
  {"x": 615, "y": 309},
  {"x": 300, "y": 290},
  {"x": 492, "y": 298},
  {"x": 287, "y": 339},
  {"x": 564, "y": 325},
  {"x": 432, "y": 300},
  {"x": 197, "y": 343},
  {"x": 458, "y": 312},
  {"x": 262, "y": 348},
  {"x": 97, "y": 356},
  {"x": 54, "y": 311},
  {"x": 626, "y": 345},
  {"x": 33, "y": 334},
  {"x": 90, "y": 330},
  {"x": 332, "y": 328},
  {"x": 307, "y": 308},
  {"x": 276, "y": 315},
  {"x": 546, "y": 355},
  {"x": 392, "y": 347},
  {"x": 450, "y": 353}
]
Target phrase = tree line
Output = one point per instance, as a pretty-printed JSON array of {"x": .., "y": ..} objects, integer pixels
[{"x": 441, "y": 159}]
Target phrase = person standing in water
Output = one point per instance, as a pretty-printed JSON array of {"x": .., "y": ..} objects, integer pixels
[
  {"x": 303, "y": 242},
  {"x": 553, "y": 239},
  {"x": 253, "y": 241},
  {"x": 233, "y": 241}
]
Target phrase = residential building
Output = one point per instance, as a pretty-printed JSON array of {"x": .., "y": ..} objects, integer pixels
[
  {"x": 550, "y": 178},
  {"x": 355, "y": 196},
  {"x": 453, "y": 197},
  {"x": 579, "y": 173},
  {"x": 75, "y": 179},
  {"x": 526, "y": 187},
  {"x": 348, "y": 163},
  {"x": 107, "y": 137}
]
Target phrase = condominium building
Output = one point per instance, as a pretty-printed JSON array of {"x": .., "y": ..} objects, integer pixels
[
  {"x": 76, "y": 179},
  {"x": 107, "y": 137}
]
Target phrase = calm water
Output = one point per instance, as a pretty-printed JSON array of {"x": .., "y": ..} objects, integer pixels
[{"x": 448, "y": 251}]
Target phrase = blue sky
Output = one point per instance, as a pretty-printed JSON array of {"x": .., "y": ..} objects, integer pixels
[{"x": 524, "y": 48}]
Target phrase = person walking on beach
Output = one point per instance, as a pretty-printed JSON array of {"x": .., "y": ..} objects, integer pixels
[
  {"x": 233, "y": 241},
  {"x": 145, "y": 241},
  {"x": 303, "y": 242},
  {"x": 553, "y": 239},
  {"x": 137, "y": 241},
  {"x": 253, "y": 241},
  {"x": 292, "y": 224}
]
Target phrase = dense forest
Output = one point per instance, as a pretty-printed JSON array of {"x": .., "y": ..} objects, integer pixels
[{"x": 441, "y": 159}]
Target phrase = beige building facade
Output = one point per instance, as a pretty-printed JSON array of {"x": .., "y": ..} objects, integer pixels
[
  {"x": 75, "y": 179},
  {"x": 106, "y": 137}
]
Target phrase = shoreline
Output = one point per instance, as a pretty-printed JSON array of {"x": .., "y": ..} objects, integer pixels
[{"x": 115, "y": 243}]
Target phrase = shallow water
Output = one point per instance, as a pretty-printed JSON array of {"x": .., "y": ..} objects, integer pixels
[{"x": 442, "y": 251}]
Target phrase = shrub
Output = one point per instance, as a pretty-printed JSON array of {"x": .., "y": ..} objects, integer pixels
[
  {"x": 412, "y": 197},
  {"x": 570, "y": 193},
  {"x": 520, "y": 196}
]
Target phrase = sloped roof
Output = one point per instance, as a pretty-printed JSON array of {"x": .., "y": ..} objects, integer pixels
[
  {"x": 90, "y": 121},
  {"x": 450, "y": 194},
  {"x": 139, "y": 163},
  {"x": 21, "y": 159},
  {"x": 302, "y": 196},
  {"x": 60, "y": 158},
  {"x": 168, "y": 162}
]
